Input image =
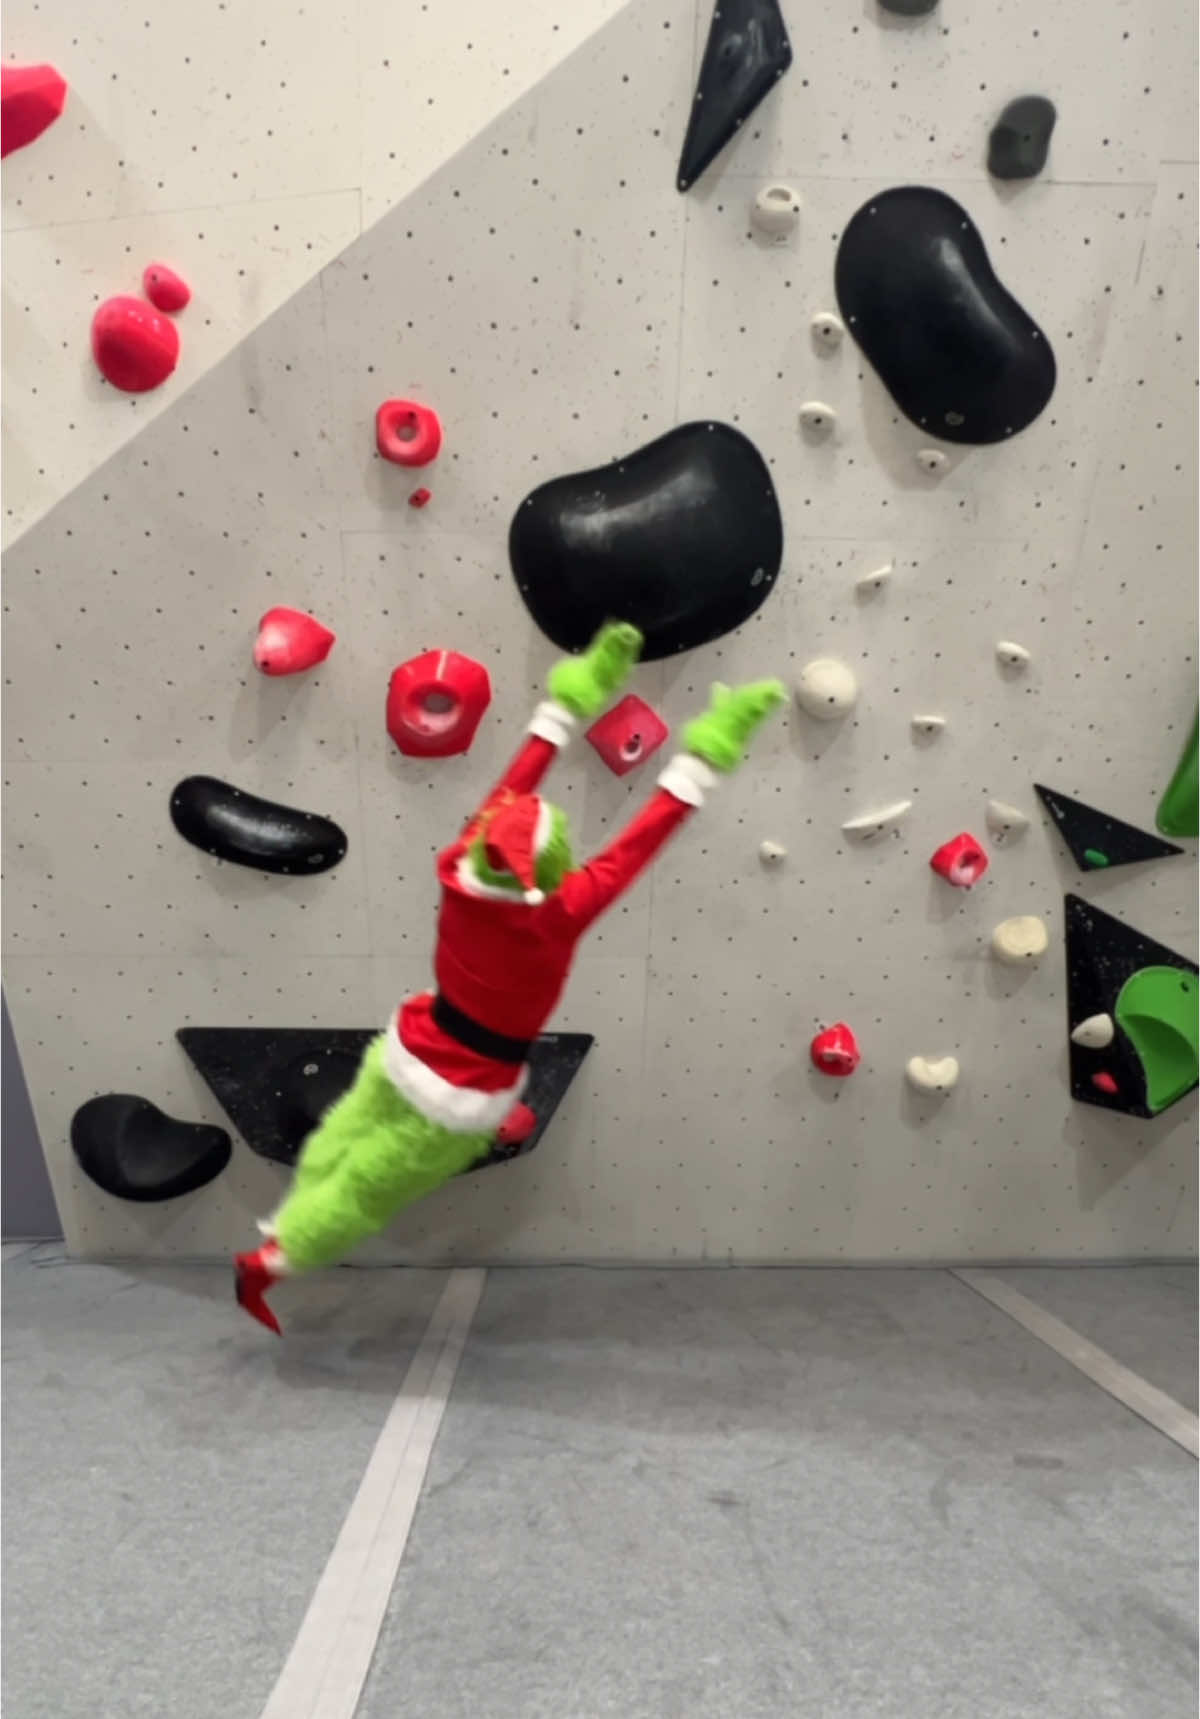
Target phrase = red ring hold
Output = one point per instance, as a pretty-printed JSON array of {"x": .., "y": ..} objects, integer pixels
[{"x": 407, "y": 433}]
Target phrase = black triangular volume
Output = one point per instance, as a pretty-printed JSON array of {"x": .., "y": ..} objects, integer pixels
[
  {"x": 746, "y": 55},
  {"x": 134, "y": 1151},
  {"x": 1102, "y": 954},
  {"x": 275, "y": 1083},
  {"x": 1097, "y": 841}
]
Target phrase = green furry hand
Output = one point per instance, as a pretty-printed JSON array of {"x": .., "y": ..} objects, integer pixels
[
  {"x": 584, "y": 684},
  {"x": 722, "y": 734}
]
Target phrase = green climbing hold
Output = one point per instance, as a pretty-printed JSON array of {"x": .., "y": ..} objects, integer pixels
[
  {"x": 1095, "y": 859},
  {"x": 1157, "y": 1008},
  {"x": 1179, "y": 808}
]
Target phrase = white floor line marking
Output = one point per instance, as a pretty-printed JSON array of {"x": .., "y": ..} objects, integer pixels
[
  {"x": 327, "y": 1667},
  {"x": 1127, "y": 1387}
]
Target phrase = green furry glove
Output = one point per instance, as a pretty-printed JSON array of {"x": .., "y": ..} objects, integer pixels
[
  {"x": 584, "y": 684},
  {"x": 722, "y": 734}
]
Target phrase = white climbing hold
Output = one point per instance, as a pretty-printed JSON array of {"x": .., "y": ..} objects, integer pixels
[
  {"x": 817, "y": 418},
  {"x": 1020, "y": 941},
  {"x": 770, "y": 853},
  {"x": 930, "y": 459},
  {"x": 932, "y": 1074},
  {"x": 827, "y": 689},
  {"x": 775, "y": 212},
  {"x": 874, "y": 581},
  {"x": 1095, "y": 1033},
  {"x": 1005, "y": 822},
  {"x": 872, "y": 824},
  {"x": 827, "y": 330},
  {"x": 1012, "y": 655},
  {"x": 926, "y": 722}
]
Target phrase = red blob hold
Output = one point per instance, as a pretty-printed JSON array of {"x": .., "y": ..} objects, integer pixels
[
  {"x": 420, "y": 498},
  {"x": 406, "y": 433},
  {"x": 517, "y": 1126},
  {"x": 961, "y": 861},
  {"x": 835, "y": 1051},
  {"x": 1105, "y": 1082},
  {"x": 134, "y": 347},
  {"x": 31, "y": 98},
  {"x": 435, "y": 703},
  {"x": 626, "y": 735},
  {"x": 289, "y": 641},
  {"x": 164, "y": 288}
]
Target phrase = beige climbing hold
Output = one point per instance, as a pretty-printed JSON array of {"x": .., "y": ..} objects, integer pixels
[
  {"x": 827, "y": 330},
  {"x": 818, "y": 419},
  {"x": 1021, "y": 940},
  {"x": 1005, "y": 822},
  {"x": 827, "y": 689},
  {"x": 1095, "y": 1033},
  {"x": 930, "y": 459},
  {"x": 874, "y": 581},
  {"x": 872, "y": 824},
  {"x": 926, "y": 723},
  {"x": 932, "y": 1074},
  {"x": 775, "y": 212},
  {"x": 1012, "y": 655},
  {"x": 770, "y": 853}
]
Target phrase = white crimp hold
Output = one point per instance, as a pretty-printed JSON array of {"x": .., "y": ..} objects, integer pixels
[
  {"x": 827, "y": 689},
  {"x": 827, "y": 330},
  {"x": 927, "y": 723},
  {"x": 930, "y": 459},
  {"x": 775, "y": 212},
  {"x": 1005, "y": 822},
  {"x": 1096, "y": 1033},
  {"x": 1012, "y": 655},
  {"x": 818, "y": 418},
  {"x": 874, "y": 581},
  {"x": 1021, "y": 940},
  {"x": 872, "y": 824},
  {"x": 932, "y": 1074},
  {"x": 770, "y": 853}
]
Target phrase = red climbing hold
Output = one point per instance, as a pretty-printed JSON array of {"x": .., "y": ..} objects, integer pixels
[
  {"x": 406, "y": 433},
  {"x": 835, "y": 1051},
  {"x": 420, "y": 498},
  {"x": 164, "y": 288},
  {"x": 31, "y": 98},
  {"x": 517, "y": 1126},
  {"x": 626, "y": 735},
  {"x": 436, "y": 702},
  {"x": 961, "y": 861},
  {"x": 289, "y": 641},
  {"x": 134, "y": 347},
  {"x": 1105, "y": 1082}
]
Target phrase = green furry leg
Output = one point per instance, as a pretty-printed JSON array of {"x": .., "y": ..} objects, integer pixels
[{"x": 372, "y": 1154}]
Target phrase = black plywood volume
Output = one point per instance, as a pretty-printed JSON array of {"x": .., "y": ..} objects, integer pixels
[{"x": 1098, "y": 841}]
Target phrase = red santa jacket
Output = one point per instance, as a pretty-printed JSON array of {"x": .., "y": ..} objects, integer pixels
[{"x": 502, "y": 962}]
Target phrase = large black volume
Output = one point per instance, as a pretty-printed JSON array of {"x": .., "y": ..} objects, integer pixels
[
  {"x": 955, "y": 350},
  {"x": 233, "y": 825},
  {"x": 683, "y": 538}
]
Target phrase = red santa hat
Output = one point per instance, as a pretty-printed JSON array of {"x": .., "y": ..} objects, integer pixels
[{"x": 516, "y": 833}]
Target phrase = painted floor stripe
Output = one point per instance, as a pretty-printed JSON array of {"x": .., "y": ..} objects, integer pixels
[
  {"x": 327, "y": 1667},
  {"x": 1127, "y": 1387}
]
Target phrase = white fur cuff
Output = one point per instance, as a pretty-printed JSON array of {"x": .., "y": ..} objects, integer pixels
[
  {"x": 688, "y": 778},
  {"x": 461, "y": 1109},
  {"x": 552, "y": 722}
]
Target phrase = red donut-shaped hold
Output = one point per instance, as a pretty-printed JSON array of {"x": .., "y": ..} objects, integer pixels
[
  {"x": 134, "y": 347},
  {"x": 436, "y": 702},
  {"x": 407, "y": 433},
  {"x": 164, "y": 288}
]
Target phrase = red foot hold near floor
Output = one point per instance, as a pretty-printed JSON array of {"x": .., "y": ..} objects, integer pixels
[
  {"x": 164, "y": 288},
  {"x": 289, "y": 641},
  {"x": 135, "y": 348},
  {"x": 626, "y": 735},
  {"x": 31, "y": 98},
  {"x": 1105, "y": 1082},
  {"x": 517, "y": 1126},
  {"x": 835, "y": 1051},
  {"x": 407, "y": 433},
  {"x": 960, "y": 861},
  {"x": 436, "y": 702}
]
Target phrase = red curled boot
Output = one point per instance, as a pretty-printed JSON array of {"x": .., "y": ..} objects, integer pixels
[{"x": 255, "y": 1274}]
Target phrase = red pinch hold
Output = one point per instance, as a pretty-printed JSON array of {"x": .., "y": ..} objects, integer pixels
[
  {"x": 164, "y": 288},
  {"x": 835, "y": 1051},
  {"x": 135, "y": 348},
  {"x": 961, "y": 861},
  {"x": 289, "y": 641},
  {"x": 31, "y": 98}
]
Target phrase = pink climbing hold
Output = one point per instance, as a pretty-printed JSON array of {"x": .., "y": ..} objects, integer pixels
[
  {"x": 960, "y": 861},
  {"x": 517, "y": 1126},
  {"x": 31, "y": 98},
  {"x": 436, "y": 702},
  {"x": 1105, "y": 1082},
  {"x": 420, "y": 497},
  {"x": 626, "y": 735},
  {"x": 289, "y": 641},
  {"x": 407, "y": 433},
  {"x": 835, "y": 1051},
  {"x": 164, "y": 288},
  {"x": 135, "y": 348}
]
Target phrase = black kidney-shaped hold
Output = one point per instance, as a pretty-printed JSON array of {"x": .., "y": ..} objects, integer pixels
[
  {"x": 955, "y": 350},
  {"x": 908, "y": 8},
  {"x": 134, "y": 1151},
  {"x": 746, "y": 54},
  {"x": 1020, "y": 139},
  {"x": 683, "y": 538},
  {"x": 236, "y": 826}
]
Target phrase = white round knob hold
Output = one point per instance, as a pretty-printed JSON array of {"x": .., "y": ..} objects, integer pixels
[
  {"x": 925, "y": 722},
  {"x": 872, "y": 824},
  {"x": 818, "y": 419},
  {"x": 1020, "y": 941},
  {"x": 932, "y": 1074},
  {"x": 827, "y": 330},
  {"x": 874, "y": 581},
  {"x": 775, "y": 212},
  {"x": 827, "y": 689},
  {"x": 771, "y": 853},
  {"x": 1012, "y": 655},
  {"x": 930, "y": 459},
  {"x": 1005, "y": 822},
  {"x": 1096, "y": 1033}
]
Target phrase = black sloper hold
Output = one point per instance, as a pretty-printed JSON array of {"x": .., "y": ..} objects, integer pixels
[
  {"x": 683, "y": 538},
  {"x": 746, "y": 54},
  {"x": 132, "y": 1150},
  {"x": 955, "y": 350},
  {"x": 1020, "y": 139},
  {"x": 236, "y": 826},
  {"x": 908, "y": 8}
]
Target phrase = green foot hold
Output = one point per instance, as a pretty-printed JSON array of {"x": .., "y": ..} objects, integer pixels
[{"x": 1095, "y": 859}]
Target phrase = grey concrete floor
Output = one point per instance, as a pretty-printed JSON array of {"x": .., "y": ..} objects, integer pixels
[{"x": 846, "y": 1494}]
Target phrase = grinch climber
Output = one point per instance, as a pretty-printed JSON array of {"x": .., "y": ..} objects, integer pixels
[{"x": 434, "y": 1088}]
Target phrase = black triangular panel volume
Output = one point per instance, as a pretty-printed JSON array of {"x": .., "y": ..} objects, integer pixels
[
  {"x": 275, "y": 1083},
  {"x": 1097, "y": 841},
  {"x": 746, "y": 54}
]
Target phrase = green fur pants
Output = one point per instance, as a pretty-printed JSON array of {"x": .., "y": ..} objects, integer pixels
[{"x": 372, "y": 1154}]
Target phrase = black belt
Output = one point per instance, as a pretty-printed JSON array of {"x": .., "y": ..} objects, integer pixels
[{"x": 478, "y": 1038}]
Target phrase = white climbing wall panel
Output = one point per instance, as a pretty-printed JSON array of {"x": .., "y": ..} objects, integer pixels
[{"x": 557, "y": 301}]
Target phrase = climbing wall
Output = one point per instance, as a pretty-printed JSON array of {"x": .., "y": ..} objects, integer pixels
[{"x": 560, "y": 303}]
